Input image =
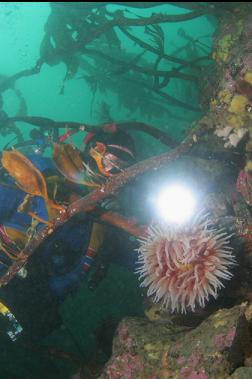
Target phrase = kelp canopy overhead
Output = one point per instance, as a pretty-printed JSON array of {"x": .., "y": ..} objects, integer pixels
[
  {"x": 118, "y": 50},
  {"x": 91, "y": 40}
]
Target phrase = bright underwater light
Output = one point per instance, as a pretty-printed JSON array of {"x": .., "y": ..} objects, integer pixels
[{"x": 176, "y": 204}]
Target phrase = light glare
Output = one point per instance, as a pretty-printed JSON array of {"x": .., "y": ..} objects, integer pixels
[{"x": 176, "y": 204}]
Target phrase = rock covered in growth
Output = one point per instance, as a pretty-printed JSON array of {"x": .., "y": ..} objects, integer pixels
[
  {"x": 242, "y": 373},
  {"x": 231, "y": 105},
  {"x": 229, "y": 86},
  {"x": 214, "y": 348},
  {"x": 140, "y": 349},
  {"x": 154, "y": 350}
]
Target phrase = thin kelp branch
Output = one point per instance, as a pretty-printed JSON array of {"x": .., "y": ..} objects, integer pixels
[
  {"x": 128, "y": 225},
  {"x": 47, "y": 123},
  {"x": 152, "y": 88},
  {"x": 101, "y": 4},
  {"x": 156, "y": 51},
  {"x": 138, "y": 90},
  {"x": 152, "y": 20},
  {"x": 135, "y": 4},
  {"x": 170, "y": 99},
  {"x": 90, "y": 201},
  {"x": 176, "y": 102},
  {"x": 143, "y": 70},
  {"x": 10, "y": 81},
  {"x": 122, "y": 21},
  {"x": 205, "y": 57},
  {"x": 148, "y": 129},
  {"x": 211, "y": 7},
  {"x": 192, "y": 5},
  {"x": 141, "y": 5}
]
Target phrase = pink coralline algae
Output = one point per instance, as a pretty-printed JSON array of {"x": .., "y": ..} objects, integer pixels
[
  {"x": 186, "y": 373},
  {"x": 222, "y": 341},
  {"x": 219, "y": 341},
  {"x": 198, "y": 375},
  {"x": 124, "y": 337},
  {"x": 196, "y": 358},
  {"x": 247, "y": 63},
  {"x": 244, "y": 186},
  {"x": 180, "y": 361},
  {"x": 193, "y": 368},
  {"x": 230, "y": 336},
  {"x": 126, "y": 366},
  {"x": 230, "y": 83}
]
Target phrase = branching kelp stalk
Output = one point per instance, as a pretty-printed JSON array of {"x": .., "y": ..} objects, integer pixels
[
  {"x": 153, "y": 88},
  {"x": 207, "y": 8},
  {"x": 77, "y": 30},
  {"x": 92, "y": 200},
  {"x": 47, "y": 123},
  {"x": 170, "y": 99},
  {"x": 167, "y": 57},
  {"x": 81, "y": 29},
  {"x": 174, "y": 73},
  {"x": 122, "y": 21},
  {"x": 10, "y": 81},
  {"x": 140, "y": 5}
]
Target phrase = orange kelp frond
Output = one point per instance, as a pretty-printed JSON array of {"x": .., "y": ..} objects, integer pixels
[
  {"x": 70, "y": 165},
  {"x": 28, "y": 178}
]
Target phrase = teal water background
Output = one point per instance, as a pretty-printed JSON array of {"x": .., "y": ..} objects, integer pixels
[{"x": 22, "y": 29}]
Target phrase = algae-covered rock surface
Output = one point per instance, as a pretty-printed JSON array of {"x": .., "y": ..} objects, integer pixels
[{"x": 151, "y": 350}]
